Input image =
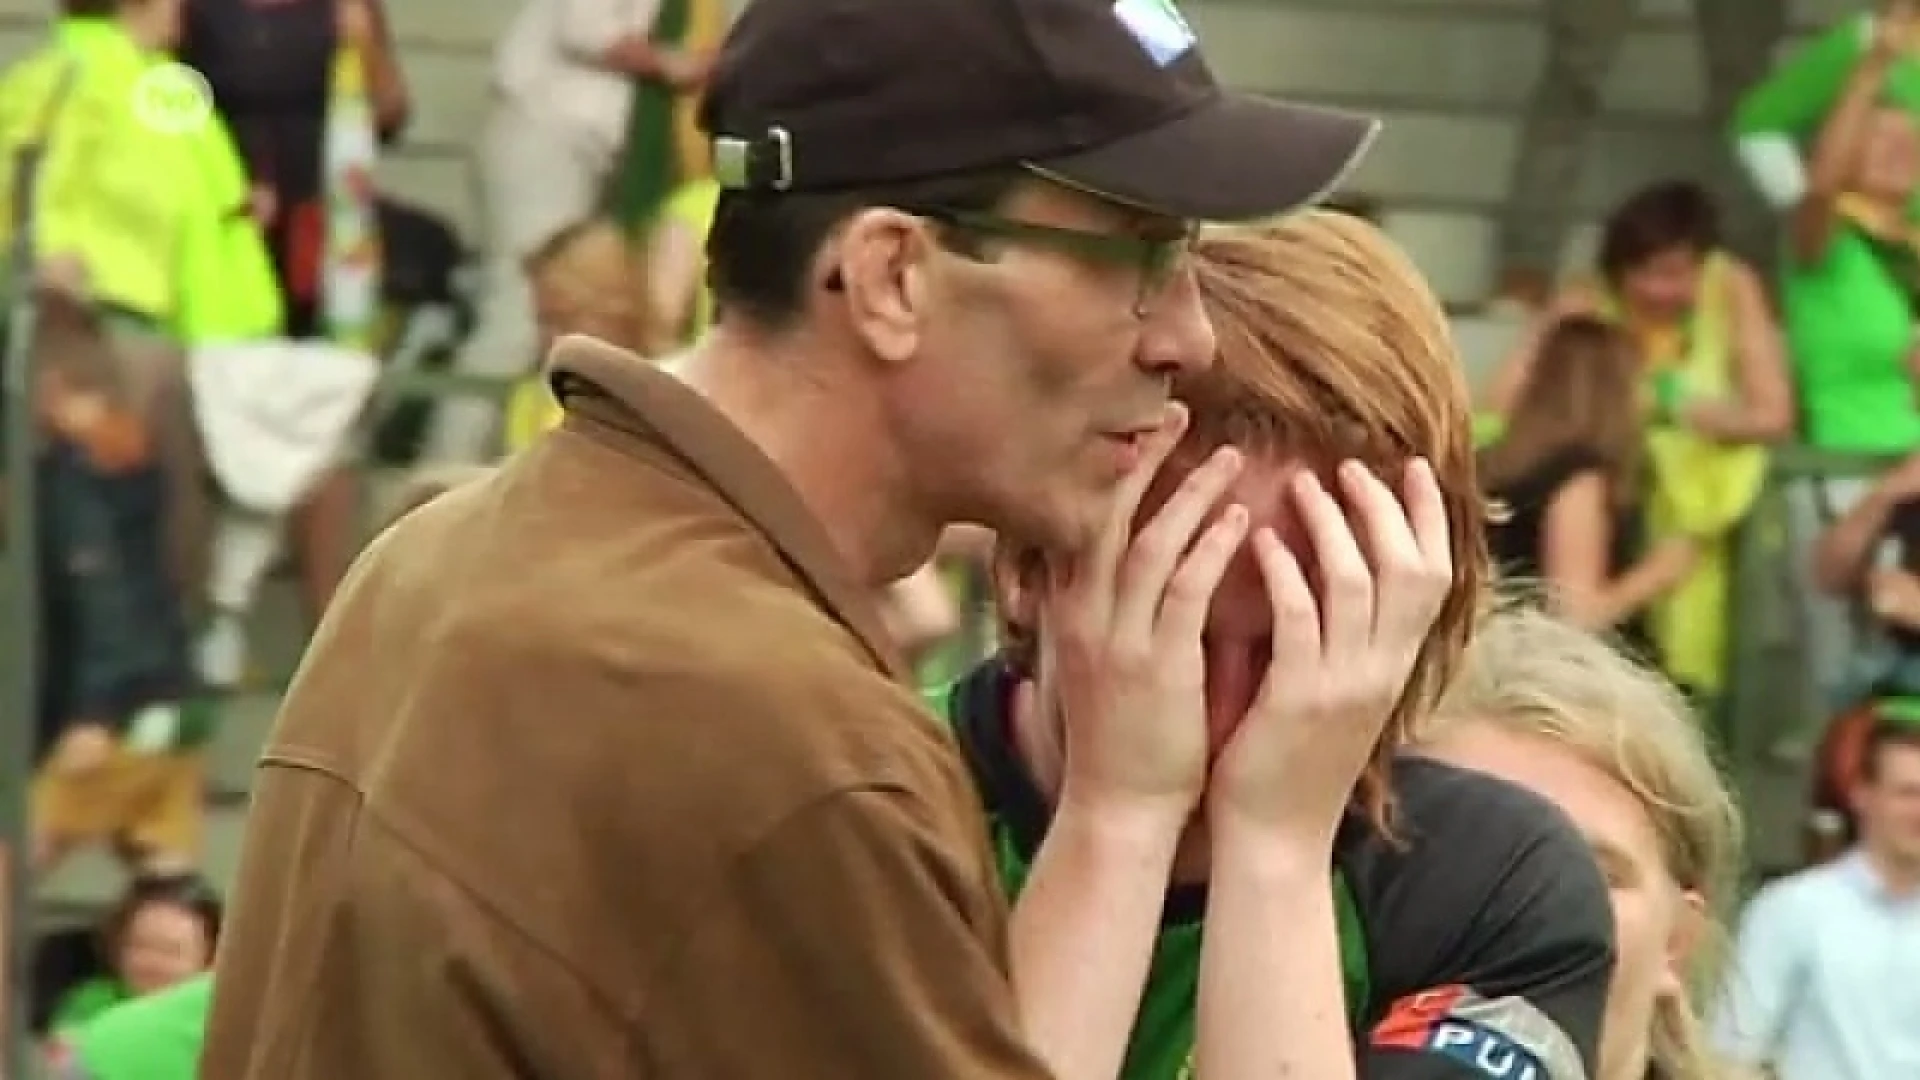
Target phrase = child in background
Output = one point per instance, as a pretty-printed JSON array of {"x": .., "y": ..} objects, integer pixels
[
  {"x": 586, "y": 280},
  {"x": 163, "y": 932}
]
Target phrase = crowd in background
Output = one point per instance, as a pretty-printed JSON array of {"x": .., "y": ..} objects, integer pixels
[{"x": 1623, "y": 442}]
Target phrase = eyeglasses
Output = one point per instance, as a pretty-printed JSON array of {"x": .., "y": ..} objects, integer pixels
[{"x": 1157, "y": 259}]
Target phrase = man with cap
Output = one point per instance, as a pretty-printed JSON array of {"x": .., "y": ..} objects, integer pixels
[{"x": 602, "y": 767}]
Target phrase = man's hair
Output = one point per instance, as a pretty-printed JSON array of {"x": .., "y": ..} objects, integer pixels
[
  {"x": 1535, "y": 674},
  {"x": 1656, "y": 219},
  {"x": 1331, "y": 346},
  {"x": 762, "y": 244},
  {"x": 1885, "y": 737}
]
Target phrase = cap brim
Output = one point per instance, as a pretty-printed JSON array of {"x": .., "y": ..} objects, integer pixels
[{"x": 1234, "y": 158}]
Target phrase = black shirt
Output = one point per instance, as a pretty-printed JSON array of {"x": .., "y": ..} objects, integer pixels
[{"x": 1489, "y": 934}]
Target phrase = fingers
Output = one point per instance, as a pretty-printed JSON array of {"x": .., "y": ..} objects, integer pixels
[
  {"x": 1156, "y": 552},
  {"x": 1296, "y": 616},
  {"x": 1346, "y": 610},
  {"x": 1111, "y": 546},
  {"x": 1427, "y": 509},
  {"x": 1183, "y": 615}
]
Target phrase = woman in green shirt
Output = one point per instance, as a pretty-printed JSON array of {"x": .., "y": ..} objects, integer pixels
[{"x": 1848, "y": 286}]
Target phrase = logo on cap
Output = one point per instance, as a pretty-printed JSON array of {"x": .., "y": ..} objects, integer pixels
[{"x": 1159, "y": 28}]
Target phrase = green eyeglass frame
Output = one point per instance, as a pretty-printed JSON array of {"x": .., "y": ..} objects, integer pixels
[{"x": 1157, "y": 259}]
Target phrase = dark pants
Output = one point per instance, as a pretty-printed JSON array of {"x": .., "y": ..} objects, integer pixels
[{"x": 114, "y": 638}]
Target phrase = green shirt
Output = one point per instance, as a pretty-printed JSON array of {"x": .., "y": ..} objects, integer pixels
[
  {"x": 1779, "y": 118},
  {"x": 157, "y": 1037},
  {"x": 88, "y": 1000},
  {"x": 1849, "y": 325},
  {"x": 154, "y": 210}
]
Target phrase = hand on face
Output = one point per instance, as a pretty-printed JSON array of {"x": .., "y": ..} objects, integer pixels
[
  {"x": 1340, "y": 660},
  {"x": 1122, "y": 647}
]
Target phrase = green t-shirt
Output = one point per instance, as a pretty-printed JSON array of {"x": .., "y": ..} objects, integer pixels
[
  {"x": 84, "y": 1002},
  {"x": 1777, "y": 121},
  {"x": 1161, "y": 1046},
  {"x": 157, "y": 1037},
  {"x": 1849, "y": 324}
]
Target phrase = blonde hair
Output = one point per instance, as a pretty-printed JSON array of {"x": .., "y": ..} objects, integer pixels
[
  {"x": 1533, "y": 673},
  {"x": 589, "y": 279}
]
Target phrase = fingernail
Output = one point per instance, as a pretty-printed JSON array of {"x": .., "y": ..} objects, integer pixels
[{"x": 1305, "y": 483}]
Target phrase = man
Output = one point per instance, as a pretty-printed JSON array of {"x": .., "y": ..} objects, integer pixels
[
  {"x": 601, "y": 767},
  {"x": 1583, "y": 39},
  {"x": 1473, "y": 923},
  {"x": 564, "y": 79},
  {"x": 1826, "y": 975}
]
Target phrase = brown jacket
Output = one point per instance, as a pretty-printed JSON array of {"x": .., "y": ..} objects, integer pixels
[{"x": 598, "y": 769}]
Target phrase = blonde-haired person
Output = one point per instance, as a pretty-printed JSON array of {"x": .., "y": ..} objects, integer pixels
[
  {"x": 586, "y": 280},
  {"x": 1557, "y": 709},
  {"x": 1364, "y": 915}
]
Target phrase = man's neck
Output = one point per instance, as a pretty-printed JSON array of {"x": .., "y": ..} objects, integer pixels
[{"x": 826, "y": 437}]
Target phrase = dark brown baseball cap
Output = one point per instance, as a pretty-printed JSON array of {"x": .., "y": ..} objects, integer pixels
[{"x": 1110, "y": 96}]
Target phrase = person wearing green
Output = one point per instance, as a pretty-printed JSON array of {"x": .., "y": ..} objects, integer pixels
[
  {"x": 156, "y": 1037},
  {"x": 144, "y": 243},
  {"x": 1850, "y": 101},
  {"x": 664, "y": 149},
  {"x": 1775, "y": 124}
]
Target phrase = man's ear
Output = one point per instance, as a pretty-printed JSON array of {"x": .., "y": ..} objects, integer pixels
[{"x": 880, "y": 260}]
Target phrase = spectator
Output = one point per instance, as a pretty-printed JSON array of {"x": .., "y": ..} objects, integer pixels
[
  {"x": 1332, "y": 351},
  {"x": 1869, "y": 560},
  {"x": 1824, "y": 983},
  {"x": 664, "y": 147},
  {"x": 1847, "y": 292},
  {"x": 271, "y": 67},
  {"x": 125, "y": 763},
  {"x": 162, "y": 933},
  {"x": 1712, "y": 366},
  {"x": 156, "y": 1037},
  {"x": 563, "y": 90},
  {"x": 677, "y": 264},
  {"x": 586, "y": 280},
  {"x": 663, "y": 608},
  {"x": 1583, "y": 38},
  {"x": 1567, "y": 471},
  {"x": 1549, "y": 706},
  {"x": 1779, "y": 119}
]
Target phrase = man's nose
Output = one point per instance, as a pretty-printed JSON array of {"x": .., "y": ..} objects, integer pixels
[{"x": 1177, "y": 338}]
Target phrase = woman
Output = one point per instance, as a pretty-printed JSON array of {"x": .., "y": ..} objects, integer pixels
[
  {"x": 1548, "y": 706},
  {"x": 1711, "y": 361},
  {"x": 1847, "y": 290},
  {"x": 1567, "y": 472},
  {"x": 1698, "y": 315}
]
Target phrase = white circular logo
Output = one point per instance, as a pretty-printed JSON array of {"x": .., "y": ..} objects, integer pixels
[{"x": 173, "y": 98}]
